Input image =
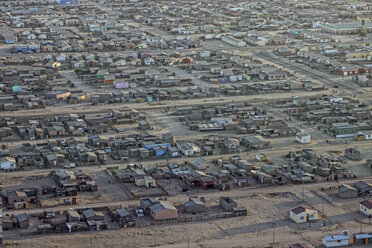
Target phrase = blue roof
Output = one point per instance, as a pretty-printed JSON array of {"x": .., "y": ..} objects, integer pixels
[
  {"x": 336, "y": 237},
  {"x": 363, "y": 235}
]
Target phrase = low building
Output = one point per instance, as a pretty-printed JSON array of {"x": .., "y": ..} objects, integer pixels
[
  {"x": 345, "y": 28},
  {"x": 73, "y": 216},
  {"x": 363, "y": 238},
  {"x": 23, "y": 221},
  {"x": 8, "y": 163},
  {"x": 185, "y": 148},
  {"x": 163, "y": 210},
  {"x": 353, "y": 154},
  {"x": 194, "y": 205},
  {"x": 200, "y": 164},
  {"x": 143, "y": 125},
  {"x": 366, "y": 207},
  {"x": 347, "y": 191},
  {"x": 227, "y": 204},
  {"x": 303, "y": 138},
  {"x": 303, "y": 214},
  {"x": 336, "y": 240},
  {"x": 363, "y": 187},
  {"x": 233, "y": 41},
  {"x": 124, "y": 217}
]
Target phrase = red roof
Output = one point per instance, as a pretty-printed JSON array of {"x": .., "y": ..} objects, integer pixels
[{"x": 367, "y": 203}]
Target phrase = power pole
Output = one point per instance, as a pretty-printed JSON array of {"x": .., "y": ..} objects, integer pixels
[
  {"x": 303, "y": 192},
  {"x": 361, "y": 228},
  {"x": 155, "y": 233},
  {"x": 273, "y": 235},
  {"x": 188, "y": 238}
]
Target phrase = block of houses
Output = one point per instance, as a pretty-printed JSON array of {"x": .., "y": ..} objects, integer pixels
[
  {"x": 347, "y": 191},
  {"x": 303, "y": 214},
  {"x": 366, "y": 207},
  {"x": 163, "y": 210},
  {"x": 303, "y": 138}
]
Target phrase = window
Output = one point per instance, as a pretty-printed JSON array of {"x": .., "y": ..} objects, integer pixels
[{"x": 301, "y": 218}]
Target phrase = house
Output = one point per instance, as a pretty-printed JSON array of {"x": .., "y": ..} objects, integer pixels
[
  {"x": 124, "y": 217},
  {"x": 8, "y": 163},
  {"x": 347, "y": 191},
  {"x": 200, "y": 164},
  {"x": 303, "y": 214},
  {"x": 336, "y": 240},
  {"x": 143, "y": 125},
  {"x": 363, "y": 188},
  {"x": 194, "y": 205},
  {"x": 227, "y": 204},
  {"x": 209, "y": 182},
  {"x": 23, "y": 220},
  {"x": 366, "y": 207},
  {"x": 353, "y": 154},
  {"x": 303, "y": 138},
  {"x": 185, "y": 148},
  {"x": 17, "y": 196},
  {"x": 233, "y": 41},
  {"x": 73, "y": 216},
  {"x": 163, "y": 210},
  {"x": 90, "y": 214},
  {"x": 255, "y": 142}
]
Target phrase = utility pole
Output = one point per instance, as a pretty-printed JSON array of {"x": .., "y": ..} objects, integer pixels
[
  {"x": 273, "y": 235},
  {"x": 323, "y": 208},
  {"x": 303, "y": 192},
  {"x": 155, "y": 233},
  {"x": 188, "y": 238},
  {"x": 361, "y": 228}
]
